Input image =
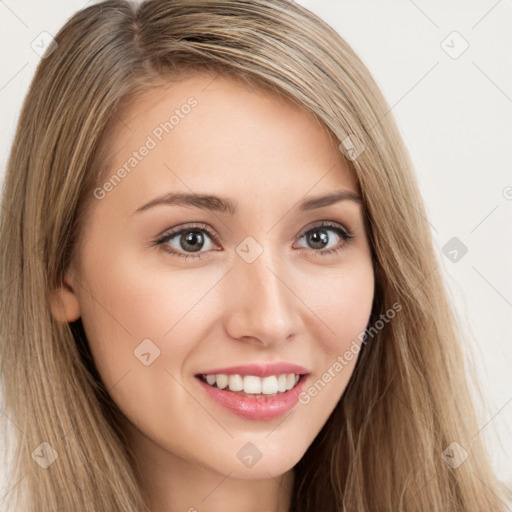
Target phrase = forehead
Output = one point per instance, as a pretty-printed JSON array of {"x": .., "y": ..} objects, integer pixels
[{"x": 212, "y": 132}]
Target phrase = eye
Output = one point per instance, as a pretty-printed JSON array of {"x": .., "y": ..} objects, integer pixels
[
  {"x": 318, "y": 237},
  {"x": 188, "y": 240}
]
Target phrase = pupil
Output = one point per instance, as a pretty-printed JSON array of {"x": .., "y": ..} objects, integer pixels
[{"x": 192, "y": 239}]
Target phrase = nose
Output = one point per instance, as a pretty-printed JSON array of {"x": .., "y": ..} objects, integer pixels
[{"x": 262, "y": 306}]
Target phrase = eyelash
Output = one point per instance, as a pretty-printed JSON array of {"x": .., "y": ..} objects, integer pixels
[{"x": 344, "y": 233}]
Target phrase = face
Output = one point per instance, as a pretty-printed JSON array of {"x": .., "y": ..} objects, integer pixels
[{"x": 272, "y": 284}]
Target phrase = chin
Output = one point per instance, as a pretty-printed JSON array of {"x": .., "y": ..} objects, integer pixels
[{"x": 259, "y": 459}]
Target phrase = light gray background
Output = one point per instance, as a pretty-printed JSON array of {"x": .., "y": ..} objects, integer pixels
[{"x": 455, "y": 117}]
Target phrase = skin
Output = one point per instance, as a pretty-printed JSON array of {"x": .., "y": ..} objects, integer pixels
[{"x": 290, "y": 304}]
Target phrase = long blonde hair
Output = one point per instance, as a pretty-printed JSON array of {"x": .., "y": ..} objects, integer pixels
[{"x": 407, "y": 401}]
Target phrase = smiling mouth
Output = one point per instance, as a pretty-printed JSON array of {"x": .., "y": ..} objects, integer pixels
[{"x": 251, "y": 385}]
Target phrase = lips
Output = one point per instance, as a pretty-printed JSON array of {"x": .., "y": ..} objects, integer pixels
[{"x": 255, "y": 391}]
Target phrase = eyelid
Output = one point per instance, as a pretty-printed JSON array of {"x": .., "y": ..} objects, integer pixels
[
  {"x": 176, "y": 231},
  {"x": 327, "y": 224}
]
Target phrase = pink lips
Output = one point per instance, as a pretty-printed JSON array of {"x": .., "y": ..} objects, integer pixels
[{"x": 257, "y": 407}]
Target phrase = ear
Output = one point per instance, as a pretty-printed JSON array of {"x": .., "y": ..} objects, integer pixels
[{"x": 64, "y": 301}]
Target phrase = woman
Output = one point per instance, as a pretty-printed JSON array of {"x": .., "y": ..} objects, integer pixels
[{"x": 305, "y": 358}]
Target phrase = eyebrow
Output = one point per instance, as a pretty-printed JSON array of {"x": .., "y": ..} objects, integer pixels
[{"x": 226, "y": 205}]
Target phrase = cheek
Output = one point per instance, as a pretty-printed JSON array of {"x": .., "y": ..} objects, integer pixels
[
  {"x": 128, "y": 302},
  {"x": 343, "y": 304}
]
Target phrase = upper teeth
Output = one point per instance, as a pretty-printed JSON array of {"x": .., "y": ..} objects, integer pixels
[{"x": 254, "y": 385}]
